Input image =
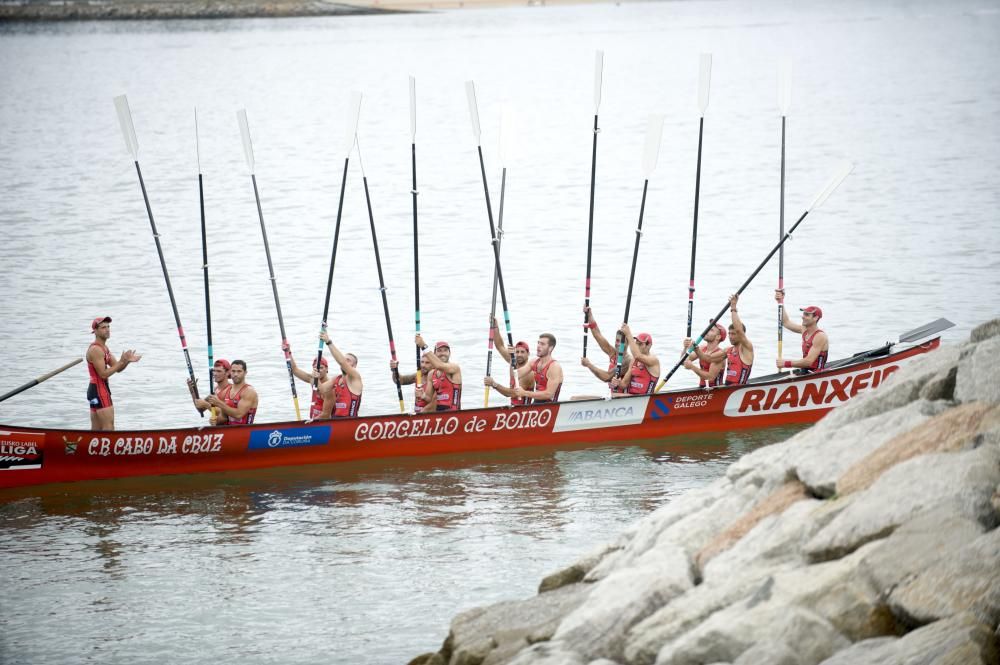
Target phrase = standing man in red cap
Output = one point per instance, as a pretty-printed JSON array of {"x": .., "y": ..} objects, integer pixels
[
  {"x": 736, "y": 361},
  {"x": 711, "y": 359},
  {"x": 101, "y": 365},
  {"x": 320, "y": 394},
  {"x": 815, "y": 344},
  {"x": 525, "y": 377},
  {"x": 547, "y": 374},
  {"x": 220, "y": 377},
  {"x": 447, "y": 380},
  {"x": 644, "y": 372}
]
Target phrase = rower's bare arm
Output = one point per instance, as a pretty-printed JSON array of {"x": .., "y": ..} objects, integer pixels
[
  {"x": 499, "y": 387},
  {"x": 779, "y": 296},
  {"x": 599, "y": 337},
  {"x": 430, "y": 398},
  {"x": 96, "y": 359},
  {"x": 500, "y": 345},
  {"x": 601, "y": 374},
  {"x": 820, "y": 344},
  {"x": 448, "y": 368},
  {"x": 298, "y": 371}
]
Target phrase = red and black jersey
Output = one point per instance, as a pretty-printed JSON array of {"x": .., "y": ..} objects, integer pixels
[
  {"x": 807, "y": 344},
  {"x": 542, "y": 380},
  {"x": 737, "y": 371},
  {"x": 346, "y": 403}
]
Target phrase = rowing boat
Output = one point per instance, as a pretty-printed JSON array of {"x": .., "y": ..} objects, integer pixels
[{"x": 33, "y": 456}]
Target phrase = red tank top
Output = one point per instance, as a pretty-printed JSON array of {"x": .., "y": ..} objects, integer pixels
[
  {"x": 807, "y": 344},
  {"x": 316, "y": 407},
  {"x": 449, "y": 395},
  {"x": 737, "y": 371},
  {"x": 419, "y": 401},
  {"x": 642, "y": 382},
  {"x": 706, "y": 366},
  {"x": 518, "y": 401},
  {"x": 612, "y": 364},
  {"x": 95, "y": 378},
  {"x": 542, "y": 380},
  {"x": 346, "y": 403},
  {"x": 233, "y": 401}
]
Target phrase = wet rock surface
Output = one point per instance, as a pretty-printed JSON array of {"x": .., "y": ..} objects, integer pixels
[{"x": 869, "y": 538}]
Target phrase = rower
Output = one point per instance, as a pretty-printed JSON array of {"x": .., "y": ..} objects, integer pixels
[
  {"x": 447, "y": 379},
  {"x": 346, "y": 386},
  {"x": 525, "y": 376},
  {"x": 319, "y": 378},
  {"x": 644, "y": 372},
  {"x": 547, "y": 373},
  {"x": 739, "y": 356},
  {"x": 424, "y": 397},
  {"x": 237, "y": 402},
  {"x": 605, "y": 375},
  {"x": 815, "y": 343},
  {"x": 220, "y": 379},
  {"x": 711, "y": 359},
  {"x": 101, "y": 364}
]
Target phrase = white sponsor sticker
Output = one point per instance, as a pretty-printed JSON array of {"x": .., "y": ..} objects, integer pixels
[{"x": 592, "y": 414}]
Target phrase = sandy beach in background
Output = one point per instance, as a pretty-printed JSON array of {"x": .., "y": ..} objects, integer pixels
[{"x": 83, "y": 10}]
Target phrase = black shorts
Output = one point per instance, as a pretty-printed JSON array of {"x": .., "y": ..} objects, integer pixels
[{"x": 99, "y": 396}]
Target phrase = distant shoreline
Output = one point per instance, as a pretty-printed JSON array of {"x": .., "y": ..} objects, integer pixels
[{"x": 138, "y": 10}]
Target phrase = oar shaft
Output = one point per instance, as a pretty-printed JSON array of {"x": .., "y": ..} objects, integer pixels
[
  {"x": 333, "y": 263},
  {"x": 166, "y": 278},
  {"x": 493, "y": 305},
  {"x": 277, "y": 301},
  {"x": 694, "y": 226},
  {"x": 631, "y": 278},
  {"x": 43, "y": 377},
  {"x": 739, "y": 291},
  {"x": 781, "y": 252},
  {"x": 385, "y": 300},
  {"x": 590, "y": 234},
  {"x": 208, "y": 302},
  {"x": 416, "y": 259}
]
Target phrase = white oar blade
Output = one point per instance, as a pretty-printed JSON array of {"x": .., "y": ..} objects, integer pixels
[
  {"x": 506, "y": 134},
  {"x": 351, "y": 130},
  {"x": 651, "y": 153},
  {"x": 128, "y": 130},
  {"x": 197, "y": 139},
  {"x": 470, "y": 91},
  {"x": 598, "y": 79},
  {"x": 784, "y": 88},
  {"x": 704, "y": 81},
  {"x": 413, "y": 109},
  {"x": 843, "y": 170},
  {"x": 241, "y": 118}
]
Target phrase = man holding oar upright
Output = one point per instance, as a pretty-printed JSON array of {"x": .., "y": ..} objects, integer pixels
[
  {"x": 815, "y": 343},
  {"x": 447, "y": 380},
  {"x": 320, "y": 375},
  {"x": 101, "y": 365},
  {"x": 220, "y": 377},
  {"x": 546, "y": 371},
  {"x": 346, "y": 386},
  {"x": 711, "y": 359},
  {"x": 236, "y": 402},
  {"x": 425, "y": 399},
  {"x": 644, "y": 372},
  {"x": 733, "y": 364},
  {"x": 604, "y": 375},
  {"x": 525, "y": 376}
]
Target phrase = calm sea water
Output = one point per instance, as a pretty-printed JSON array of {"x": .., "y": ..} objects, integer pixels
[{"x": 369, "y": 562}]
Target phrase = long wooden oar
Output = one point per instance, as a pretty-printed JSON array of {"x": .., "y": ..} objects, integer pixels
[
  {"x": 381, "y": 284},
  {"x": 416, "y": 243},
  {"x": 132, "y": 143},
  {"x": 598, "y": 77},
  {"x": 784, "y": 100},
  {"x": 241, "y": 118},
  {"x": 43, "y": 377},
  {"x": 350, "y": 138},
  {"x": 504, "y": 129},
  {"x": 470, "y": 90},
  {"x": 704, "y": 84},
  {"x": 204, "y": 255},
  {"x": 650, "y": 155},
  {"x": 838, "y": 177}
]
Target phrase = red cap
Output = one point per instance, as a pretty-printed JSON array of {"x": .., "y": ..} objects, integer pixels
[
  {"x": 98, "y": 321},
  {"x": 644, "y": 337},
  {"x": 224, "y": 364},
  {"x": 523, "y": 345},
  {"x": 323, "y": 362},
  {"x": 442, "y": 345},
  {"x": 722, "y": 332},
  {"x": 814, "y": 310}
]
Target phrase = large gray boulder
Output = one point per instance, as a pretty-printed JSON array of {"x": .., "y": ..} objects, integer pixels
[
  {"x": 960, "y": 640},
  {"x": 967, "y": 580},
  {"x": 976, "y": 380},
  {"x": 964, "y": 481},
  {"x": 598, "y": 627}
]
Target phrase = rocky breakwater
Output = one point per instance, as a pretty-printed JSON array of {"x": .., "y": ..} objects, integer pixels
[
  {"x": 870, "y": 538},
  {"x": 91, "y": 10}
]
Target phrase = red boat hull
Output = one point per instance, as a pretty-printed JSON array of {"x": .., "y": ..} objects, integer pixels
[{"x": 31, "y": 456}]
